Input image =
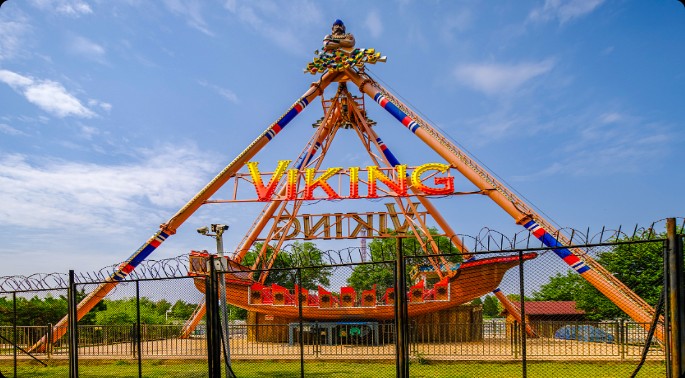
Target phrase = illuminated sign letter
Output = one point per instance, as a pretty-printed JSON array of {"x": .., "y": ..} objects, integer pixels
[
  {"x": 446, "y": 182},
  {"x": 354, "y": 182},
  {"x": 311, "y": 183},
  {"x": 264, "y": 193},
  {"x": 291, "y": 186},
  {"x": 400, "y": 187}
]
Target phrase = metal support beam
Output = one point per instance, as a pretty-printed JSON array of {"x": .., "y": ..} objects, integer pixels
[{"x": 676, "y": 300}]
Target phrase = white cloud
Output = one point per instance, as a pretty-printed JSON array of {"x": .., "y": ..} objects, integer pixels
[
  {"x": 13, "y": 29},
  {"x": 611, "y": 117},
  {"x": 456, "y": 23},
  {"x": 282, "y": 26},
  {"x": 86, "y": 48},
  {"x": 223, "y": 92},
  {"x": 231, "y": 5},
  {"x": 67, "y": 7},
  {"x": 48, "y": 95},
  {"x": 495, "y": 78},
  {"x": 192, "y": 11},
  {"x": 54, "y": 193},
  {"x": 609, "y": 142},
  {"x": 563, "y": 10},
  {"x": 374, "y": 24},
  {"x": 103, "y": 105},
  {"x": 9, "y": 130}
]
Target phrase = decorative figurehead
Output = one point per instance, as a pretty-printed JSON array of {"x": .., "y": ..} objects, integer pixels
[
  {"x": 340, "y": 54},
  {"x": 338, "y": 28},
  {"x": 338, "y": 38}
]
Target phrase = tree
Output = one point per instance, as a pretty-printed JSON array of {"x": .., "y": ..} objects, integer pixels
[
  {"x": 638, "y": 264},
  {"x": 561, "y": 287},
  {"x": 123, "y": 311},
  {"x": 282, "y": 272},
  {"x": 38, "y": 311},
  {"x": 491, "y": 306},
  {"x": 365, "y": 276},
  {"x": 182, "y": 309}
]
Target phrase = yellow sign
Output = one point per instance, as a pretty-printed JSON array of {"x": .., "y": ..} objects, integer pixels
[{"x": 397, "y": 186}]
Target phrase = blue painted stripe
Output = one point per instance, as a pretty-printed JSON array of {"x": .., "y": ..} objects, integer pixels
[
  {"x": 287, "y": 118},
  {"x": 413, "y": 126},
  {"x": 141, "y": 254},
  {"x": 395, "y": 111},
  {"x": 388, "y": 154},
  {"x": 550, "y": 241},
  {"x": 292, "y": 113}
]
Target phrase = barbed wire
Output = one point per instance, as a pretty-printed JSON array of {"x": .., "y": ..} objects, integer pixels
[{"x": 487, "y": 241}]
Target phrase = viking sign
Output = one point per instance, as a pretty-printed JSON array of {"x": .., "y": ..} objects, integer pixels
[
  {"x": 398, "y": 180},
  {"x": 348, "y": 225}
]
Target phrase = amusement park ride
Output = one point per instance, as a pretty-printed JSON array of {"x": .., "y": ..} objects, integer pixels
[{"x": 289, "y": 186}]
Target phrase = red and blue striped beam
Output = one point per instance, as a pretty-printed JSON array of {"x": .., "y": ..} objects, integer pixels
[
  {"x": 388, "y": 154},
  {"x": 559, "y": 249},
  {"x": 307, "y": 157},
  {"x": 287, "y": 117},
  {"x": 151, "y": 245},
  {"x": 396, "y": 112},
  {"x": 138, "y": 256},
  {"x": 569, "y": 258}
]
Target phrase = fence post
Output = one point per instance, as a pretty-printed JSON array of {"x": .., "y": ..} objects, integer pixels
[
  {"x": 73, "y": 327},
  {"x": 299, "y": 312},
  {"x": 316, "y": 345},
  {"x": 515, "y": 338},
  {"x": 401, "y": 344},
  {"x": 50, "y": 345},
  {"x": 133, "y": 339},
  {"x": 14, "y": 330},
  {"x": 675, "y": 299},
  {"x": 213, "y": 322},
  {"x": 622, "y": 338},
  {"x": 523, "y": 317},
  {"x": 139, "y": 342},
  {"x": 209, "y": 301}
]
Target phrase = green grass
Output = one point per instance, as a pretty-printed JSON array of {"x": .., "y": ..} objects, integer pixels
[{"x": 336, "y": 369}]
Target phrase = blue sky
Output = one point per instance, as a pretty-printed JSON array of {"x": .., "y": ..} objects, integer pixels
[{"x": 114, "y": 114}]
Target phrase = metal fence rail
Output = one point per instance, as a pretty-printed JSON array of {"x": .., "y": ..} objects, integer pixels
[{"x": 497, "y": 339}]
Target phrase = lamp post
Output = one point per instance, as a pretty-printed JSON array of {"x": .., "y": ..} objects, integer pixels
[{"x": 217, "y": 231}]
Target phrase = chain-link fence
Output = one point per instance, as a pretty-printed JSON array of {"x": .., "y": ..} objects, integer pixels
[{"x": 522, "y": 311}]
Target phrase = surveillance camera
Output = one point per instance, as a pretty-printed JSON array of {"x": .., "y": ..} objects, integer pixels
[
  {"x": 219, "y": 227},
  {"x": 203, "y": 230}
]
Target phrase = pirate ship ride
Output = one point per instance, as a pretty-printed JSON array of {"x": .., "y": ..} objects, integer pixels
[
  {"x": 456, "y": 283},
  {"x": 471, "y": 279},
  {"x": 343, "y": 64}
]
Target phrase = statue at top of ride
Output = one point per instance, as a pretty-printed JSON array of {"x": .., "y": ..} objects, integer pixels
[{"x": 338, "y": 39}]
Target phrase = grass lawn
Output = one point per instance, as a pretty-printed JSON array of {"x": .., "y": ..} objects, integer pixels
[{"x": 336, "y": 369}]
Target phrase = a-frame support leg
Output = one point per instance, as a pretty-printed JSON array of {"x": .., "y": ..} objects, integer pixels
[
  {"x": 169, "y": 228},
  {"x": 514, "y": 311},
  {"x": 587, "y": 267}
]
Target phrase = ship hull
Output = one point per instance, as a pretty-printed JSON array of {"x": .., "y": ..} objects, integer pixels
[{"x": 472, "y": 280}]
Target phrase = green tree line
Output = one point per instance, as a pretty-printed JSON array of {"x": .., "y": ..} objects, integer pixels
[
  {"x": 638, "y": 264},
  {"x": 38, "y": 311}
]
